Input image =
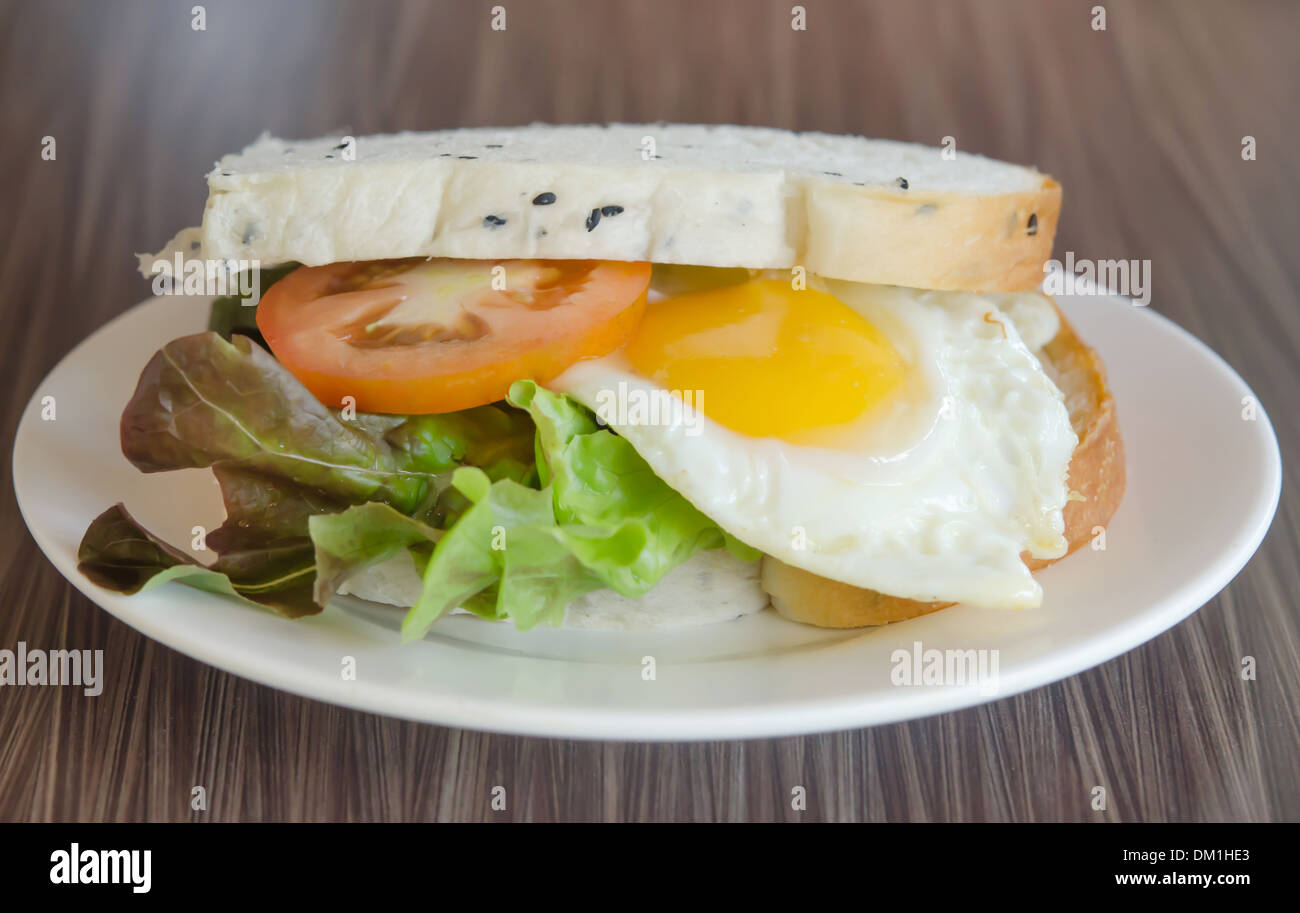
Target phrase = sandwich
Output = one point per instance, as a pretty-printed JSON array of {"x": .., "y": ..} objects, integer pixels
[{"x": 626, "y": 376}]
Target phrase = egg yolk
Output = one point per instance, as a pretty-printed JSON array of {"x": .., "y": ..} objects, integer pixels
[{"x": 767, "y": 360}]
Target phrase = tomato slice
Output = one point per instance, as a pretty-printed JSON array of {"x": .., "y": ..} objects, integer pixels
[{"x": 419, "y": 336}]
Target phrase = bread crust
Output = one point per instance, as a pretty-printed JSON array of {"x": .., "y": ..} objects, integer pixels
[
  {"x": 943, "y": 241},
  {"x": 1097, "y": 475},
  {"x": 1098, "y": 471}
]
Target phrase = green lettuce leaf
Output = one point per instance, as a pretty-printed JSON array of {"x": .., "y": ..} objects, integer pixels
[
  {"x": 511, "y": 510},
  {"x": 229, "y": 314},
  {"x": 603, "y": 519},
  {"x": 282, "y": 458},
  {"x": 119, "y": 554},
  {"x": 509, "y": 543},
  {"x": 360, "y": 537},
  {"x": 202, "y": 401}
]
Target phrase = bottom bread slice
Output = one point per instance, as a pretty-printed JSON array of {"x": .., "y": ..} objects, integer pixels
[{"x": 713, "y": 586}]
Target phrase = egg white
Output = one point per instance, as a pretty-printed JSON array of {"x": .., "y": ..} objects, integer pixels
[{"x": 932, "y": 496}]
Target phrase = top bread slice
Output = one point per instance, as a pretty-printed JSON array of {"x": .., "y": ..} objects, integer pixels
[{"x": 844, "y": 207}]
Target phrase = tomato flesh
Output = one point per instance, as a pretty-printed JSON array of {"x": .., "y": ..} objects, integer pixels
[{"x": 423, "y": 336}]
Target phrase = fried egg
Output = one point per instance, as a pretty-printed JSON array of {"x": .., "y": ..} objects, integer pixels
[{"x": 900, "y": 440}]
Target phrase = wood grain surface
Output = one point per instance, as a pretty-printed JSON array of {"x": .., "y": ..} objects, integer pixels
[{"x": 1142, "y": 123}]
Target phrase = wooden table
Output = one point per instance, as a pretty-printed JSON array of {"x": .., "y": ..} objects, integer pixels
[{"x": 1143, "y": 124}]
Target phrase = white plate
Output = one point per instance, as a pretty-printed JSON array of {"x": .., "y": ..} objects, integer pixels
[{"x": 1203, "y": 486}]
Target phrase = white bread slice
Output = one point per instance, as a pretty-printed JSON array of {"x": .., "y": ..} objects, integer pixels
[
  {"x": 843, "y": 207},
  {"x": 711, "y": 587}
]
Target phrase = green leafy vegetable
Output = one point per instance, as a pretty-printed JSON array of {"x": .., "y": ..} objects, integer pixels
[
  {"x": 507, "y": 542},
  {"x": 281, "y": 458},
  {"x": 118, "y": 554},
  {"x": 511, "y": 510},
  {"x": 361, "y": 537},
  {"x": 230, "y": 315},
  {"x": 202, "y": 401},
  {"x": 604, "y": 519}
]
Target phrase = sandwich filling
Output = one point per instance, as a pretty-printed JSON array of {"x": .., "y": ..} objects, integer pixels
[{"x": 525, "y": 433}]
